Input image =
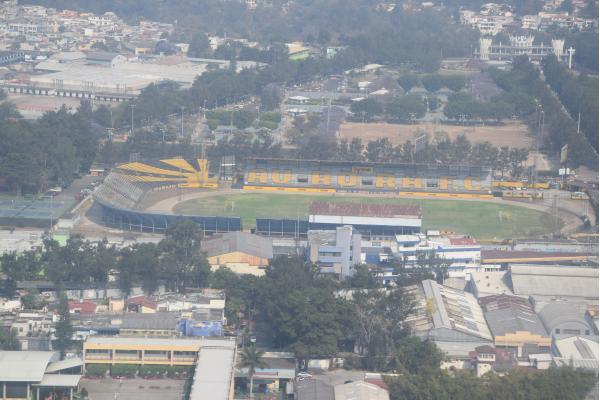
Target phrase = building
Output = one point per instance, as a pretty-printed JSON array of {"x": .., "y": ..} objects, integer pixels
[
  {"x": 450, "y": 317},
  {"x": 159, "y": 324},
  {"x": 567, "y": 318},
  {"x": 552, "y": 282},
  {"x": 487, "y": 358},
  {"x": 335, "y": 251},
  {"x": 277, "y": 375},
  {"x": 147, "y": 351},
  {"x": 242, "y": 252},
  {"x": 461, "y": 253},
  {"x": 38, "y": 375},
  {"x": 575, "y": 351},
  {"x": 513, "y": 323},
  {"x": 519, "y": 45}
]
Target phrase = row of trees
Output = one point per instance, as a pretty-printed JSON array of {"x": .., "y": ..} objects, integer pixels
[
  {"x": 579, "y": 95},
  {"x": 437, "y": 150},
  {"x": 503, "y": 106},
  {"x": 50, "y": 151},
  {"x": 432, "y": 82},
  {"x": 397, "y": 109},
  {"x": 176, "y": 261},
  {"x": 560, "y": 129}
]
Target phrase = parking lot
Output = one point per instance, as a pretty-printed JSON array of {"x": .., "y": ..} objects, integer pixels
[{"x": 133, "y": 389}]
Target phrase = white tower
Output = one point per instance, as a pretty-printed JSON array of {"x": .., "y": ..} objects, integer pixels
[
  {"x": 484, "y": 48},
  {"x": 558, "y": 48}
]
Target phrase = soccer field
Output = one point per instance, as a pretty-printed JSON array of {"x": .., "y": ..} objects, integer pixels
[{"x": 482, "y": 220}]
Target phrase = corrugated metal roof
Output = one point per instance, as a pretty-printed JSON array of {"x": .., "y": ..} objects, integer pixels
[
  {"x": 238, "y": 241},
  {"x": 554, "y": 281},
  {"x": 214, "y": 372},
  {"x": 509, "y": 314},
  {"x": 360, "y": 391},
  {"x": 53, "y": 380},
  {"x": 24, "y": 366}
]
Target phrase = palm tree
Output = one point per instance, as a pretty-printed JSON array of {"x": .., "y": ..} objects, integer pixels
[{"x": 251, "y": 358}]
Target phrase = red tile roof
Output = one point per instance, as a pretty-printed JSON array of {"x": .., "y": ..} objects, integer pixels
[
  {"x": 82, "y": 307},
  {"x": 463, "y": 241},
  {"x": 142, "y": 301},
  {"x": 364, "y": 210}
]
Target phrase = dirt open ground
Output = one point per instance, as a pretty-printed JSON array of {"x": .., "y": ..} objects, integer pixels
[{"x": 512, "y": 134}]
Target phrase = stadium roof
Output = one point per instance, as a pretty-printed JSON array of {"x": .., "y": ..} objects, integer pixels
[
  {"x": 554, "y": 281},
  {"x": 237, "y": 241},
  {"x": 510, "y": 314},
  {"x": 24, "y": 366},
  {"x": 362, "y": 163},
  {"x": 364, "y": 209}
]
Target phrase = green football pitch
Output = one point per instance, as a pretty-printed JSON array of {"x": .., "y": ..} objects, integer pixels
[{"x": 480, "y": 219}]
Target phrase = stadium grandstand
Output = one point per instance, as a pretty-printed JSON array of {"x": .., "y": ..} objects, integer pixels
[
  {"x": 371, "y": 220},
  {"x": 117, "y": 200},
  {"x": 340, "y": 176}
]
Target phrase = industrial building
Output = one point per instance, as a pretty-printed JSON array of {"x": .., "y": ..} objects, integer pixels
[
  {"x": 37, "y": 375},
  {"x": 513, "y": 323},
  {"x": 450, "y": 317},
  {"x": 242, "y": 252}
]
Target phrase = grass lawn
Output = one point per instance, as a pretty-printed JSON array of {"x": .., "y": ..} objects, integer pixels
[{"x": 480, "y": 219}]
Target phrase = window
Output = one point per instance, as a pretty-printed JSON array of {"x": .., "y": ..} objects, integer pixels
[
  {"x": 571, "y": 331},
  {"x": 587, "y": 332},
  {"x": 367, "y": 182},
  {"x": 302, "y": 180},
  {"x": 557, "y": 331}
]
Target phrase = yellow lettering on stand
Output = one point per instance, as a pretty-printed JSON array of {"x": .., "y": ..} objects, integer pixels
[
  {"x": 257, "y": 176},
  {"x": 347, "y": 180},
  {"x": 279, "y": 176},
  {"x": 468, "y": 183},
  {"x": 320, "y": 178},
  {"x": 416, "y": 183},
  {"x": 385, "y": 181}
]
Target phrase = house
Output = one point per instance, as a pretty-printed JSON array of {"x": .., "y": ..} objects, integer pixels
[
  {"x": 242, "y": 252},
  {"x": 141, "y": 304},
  {"x": 513, "y": 323},
  {"x": 82, "y": 307},
  {"x": 487, "y": 358},
  {"x": 38, "y": 374},
  {"x": 277, "y": 375},
  {"x": 149, "y": 325}
]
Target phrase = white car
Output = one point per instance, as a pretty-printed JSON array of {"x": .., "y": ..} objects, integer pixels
[{"x": 303, "y": 375}]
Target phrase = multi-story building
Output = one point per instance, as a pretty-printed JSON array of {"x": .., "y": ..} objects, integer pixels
[{"x": 335, "y": 251}]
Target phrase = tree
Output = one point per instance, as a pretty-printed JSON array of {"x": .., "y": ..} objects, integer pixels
[
  {"x": 270, "y": 97},
  {"x": 407, "y": 107},
  {"x": 9, "y": 339},
  {"x": 408, "y": 81},
  {"x": 199, "y": 46},
  {"x": 63, "y": 328},
  {"x": 366, "y": 109},
  {"x": 251, "y": 358},
  {"x": 432, "y": 82}
]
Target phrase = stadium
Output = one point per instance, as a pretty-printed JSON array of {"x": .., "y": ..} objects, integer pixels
[{"x": 126, "y": 200}]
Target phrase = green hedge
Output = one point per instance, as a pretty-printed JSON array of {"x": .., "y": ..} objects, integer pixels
[
  {"x": 148, "y": 371},
  {"x": 96, "y": 370},
  {"x": 123, "y": 370},
  {"x": 179, "y": 371}
]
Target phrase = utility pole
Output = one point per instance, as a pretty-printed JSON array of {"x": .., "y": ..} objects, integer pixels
[
  {"x": 132, "y": 108},
  {"x": 571, "y": 51},
  {"x": 182, "y": 108},
  {"x": 578, "y": 122}
]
